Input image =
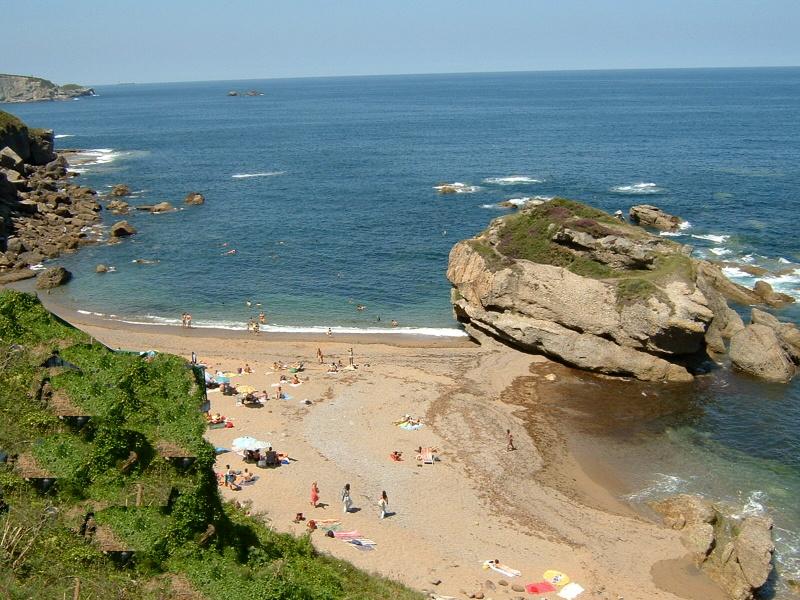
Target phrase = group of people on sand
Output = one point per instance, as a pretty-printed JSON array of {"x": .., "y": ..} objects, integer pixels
[
  {"x": 186, "y": 320},
  {"x": 347, "y": 500},
  {"x": 234, "y": 479}
]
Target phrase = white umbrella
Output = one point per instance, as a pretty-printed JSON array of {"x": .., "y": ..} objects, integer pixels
[{"x": 248, "y": 443}]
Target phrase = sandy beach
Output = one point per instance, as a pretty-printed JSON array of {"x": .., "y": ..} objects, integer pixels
[{"x": 533, "y": 509}]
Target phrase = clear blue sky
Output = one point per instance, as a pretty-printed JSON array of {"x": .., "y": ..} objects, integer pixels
[{"x": 109, "y": 41}]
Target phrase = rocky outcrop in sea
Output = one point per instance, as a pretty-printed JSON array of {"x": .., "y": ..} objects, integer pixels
[
  {"x": 734, "y": 552},
  {"x": 580, "y": 286},
  {"x": 43, "y": 214},
  {"x": 22, "y": 88}
]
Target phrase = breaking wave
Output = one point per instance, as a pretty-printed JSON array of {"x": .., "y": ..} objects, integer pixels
[
  {"x": 264, "y": 174},
  {"x": 456, "y": 187},
  {"x": 512, "y": 180},
  {"x": 635, "y": 189}
]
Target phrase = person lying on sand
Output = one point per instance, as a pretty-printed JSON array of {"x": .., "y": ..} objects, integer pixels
[
  {"x": 396, "y": 456},
  {"x": 245, "y": 477}
]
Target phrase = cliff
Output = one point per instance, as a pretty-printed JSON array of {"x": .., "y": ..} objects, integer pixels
[
  {"x": 21, "y": 88},
  {"x": 576, "y": 284}
]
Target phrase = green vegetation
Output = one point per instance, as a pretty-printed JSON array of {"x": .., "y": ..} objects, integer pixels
[
  {"x": 527, "y": 235},
  {"x": 158, "y": 507},
  {"x": 9, "y": 124},
  {"x": 71, "y": 86}
]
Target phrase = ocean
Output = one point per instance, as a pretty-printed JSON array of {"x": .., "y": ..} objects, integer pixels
[{"x": 326, "y": 190}]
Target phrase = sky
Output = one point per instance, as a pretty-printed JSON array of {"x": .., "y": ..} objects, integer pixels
[{"x": 97, "y": 42}]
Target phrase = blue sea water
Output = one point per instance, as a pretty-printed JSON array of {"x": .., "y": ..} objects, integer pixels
[{"x": 325, "y": 189}]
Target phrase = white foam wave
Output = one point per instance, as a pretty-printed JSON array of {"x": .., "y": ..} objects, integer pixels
[
  {"x": 754, "y": 505},
  {"x": 264, "y": 174},
  {"x": 37, "y": 267},
  {"x": 512, "y": 180},
  {"x": 734, "y": 272},
  {"x": 82, "y": 160},
  {"x": 783, "y": 261},
  {"x": 643, "y": 188},
  {"x": 61, "y": 136},
  {"x": 684, "y": 225},
  {"x": 312, "y": 329},
  {"x": 670, "y": 233},
  {"x": 719, "y": 251},
  {"x": 457, "y": 187},
  {"x": 663, "y": 485},
  {"x": 719, "y": 239}
]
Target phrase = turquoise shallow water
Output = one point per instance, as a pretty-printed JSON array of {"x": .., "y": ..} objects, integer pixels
[{"x": 325, "y": 188}]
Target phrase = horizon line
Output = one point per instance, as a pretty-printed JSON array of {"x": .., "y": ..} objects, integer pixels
[{"x": 435, "y": 73}]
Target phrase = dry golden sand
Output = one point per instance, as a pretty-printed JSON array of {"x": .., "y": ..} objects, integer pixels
[{"x": 534, "y": 509}]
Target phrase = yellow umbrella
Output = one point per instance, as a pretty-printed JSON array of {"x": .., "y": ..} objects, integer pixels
[{"x": 245, "y": 389}]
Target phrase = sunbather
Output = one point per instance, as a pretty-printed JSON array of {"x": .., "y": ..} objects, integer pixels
[{"x": 396, "y": 456}]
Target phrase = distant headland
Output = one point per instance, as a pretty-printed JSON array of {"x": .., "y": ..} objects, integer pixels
[{"x": 22, "y": 88}]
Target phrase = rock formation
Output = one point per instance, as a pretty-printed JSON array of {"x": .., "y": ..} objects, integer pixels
[
  {"x": 42, "y": 214},
  {"x": 52, "y": 277},
  {"x": 194, "y": 198},
  {"x": 122, "y": 229},
  {"x": 574, "y": 283},
  {"x": 120, "y": 190},
  {"x": 652, "y": 216},
  {"x": 766, "y": 348},
  {"x": 736, "y": 553},
  {"x": 21, "y": 88}
]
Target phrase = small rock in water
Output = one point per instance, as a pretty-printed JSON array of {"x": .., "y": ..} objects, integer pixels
[{"x": 101, "y": 269}]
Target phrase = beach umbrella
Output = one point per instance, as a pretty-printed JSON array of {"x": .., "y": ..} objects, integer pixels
[
  {"x": 248, "y": 443},
  {"x": 245, "y": 389}
]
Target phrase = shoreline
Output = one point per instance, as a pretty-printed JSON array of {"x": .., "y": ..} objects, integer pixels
[{"x": 542, "y": 506}]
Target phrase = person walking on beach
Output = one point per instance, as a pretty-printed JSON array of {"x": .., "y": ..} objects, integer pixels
[
  {"x": 347, "y": 501},
  {"x": 383, "y": 504},
  {"x": 320, "y": 357},
  {"x": 314, "y": 494},
  {"x": 183, "y": 320},
  {"x": 329, "y": 332},
  {"x": 188, "y": 320},
  {"x": 350, "y": 356},
  {"x": 510, "y": 441}
]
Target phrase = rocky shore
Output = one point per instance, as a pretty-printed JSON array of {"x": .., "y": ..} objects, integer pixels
[
  {"x": 581, "y": 286},
  {"x": 22, "y": 88}
]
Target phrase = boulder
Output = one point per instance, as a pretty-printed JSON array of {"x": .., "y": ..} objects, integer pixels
[
  {"x": 101, "y": 268},
  {"x": 119, "y": 207},
  {"x": 41, "y": 146},
  {"x": 754, "y": 547},
  {"x": 735, "y": 553},
  {"x": 52, "y": 277},
  {"x": 18, "y": 275},
  {"x": 122, "y": 229},
  {"x": 120, "y": 190},
  {"x": 194, "y": 198},
  {"x": 162, "y": 207},
  {"x": 770, "y": 296},
  {"x": 11, "y": 160},
  {"x": 787, "y": 333},
  {"x": 757, "y": 350},
  {"x": 652, "y": 216}
]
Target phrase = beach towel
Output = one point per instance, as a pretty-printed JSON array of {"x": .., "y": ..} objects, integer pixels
[
  {"x": 570, "y": 591},
  {"x": 286, "y": 397},
  {"x": 501, "y": 568},
  {"x": 363, "y": 542},
  {"x": 344, "y": 535},
  {"x": 557, "y": 578},
  {"x": 541, "y": 587},
  {"x": 296, "y": 384},
  {"x": 217, "y": 425},
  {"x": 408, "y": 427},
  {"x": 361, "y": 547}
]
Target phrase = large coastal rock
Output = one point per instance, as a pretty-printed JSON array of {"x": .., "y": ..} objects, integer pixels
[
  {"x": 736, "y": 553},
  {"x": 122, "y": 229},
  {"x": 194, "y": 198},
  {"x": 21, "y": 88},
  {"x": 757, "y": 350},
  {"x": 652, "y": 216},
  {"x": 52, "y": 277},
  {"x": 578, "y": 285},
  {"x": 33, "y": 146}
]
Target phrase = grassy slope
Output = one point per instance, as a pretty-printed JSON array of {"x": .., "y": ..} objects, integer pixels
[{"x": 135, "y": 404}]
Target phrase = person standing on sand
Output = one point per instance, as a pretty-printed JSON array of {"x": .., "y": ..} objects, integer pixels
[
  {"x": 320, "y": 357},
  {"x": 383, "y": 504},
  {"x": 350, "y": 356},
  {"x": 347, "y": 501},
  {"x": 188, "y": 320},
  {"x": 183, "y": 320},
  {"x": 510, "y": 441},
  {"x": 314, "y": 494},
  {"x": 329, "y": 333}
]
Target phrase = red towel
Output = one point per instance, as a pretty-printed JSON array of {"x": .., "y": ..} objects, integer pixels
[{"x": 542, "y": 587}]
